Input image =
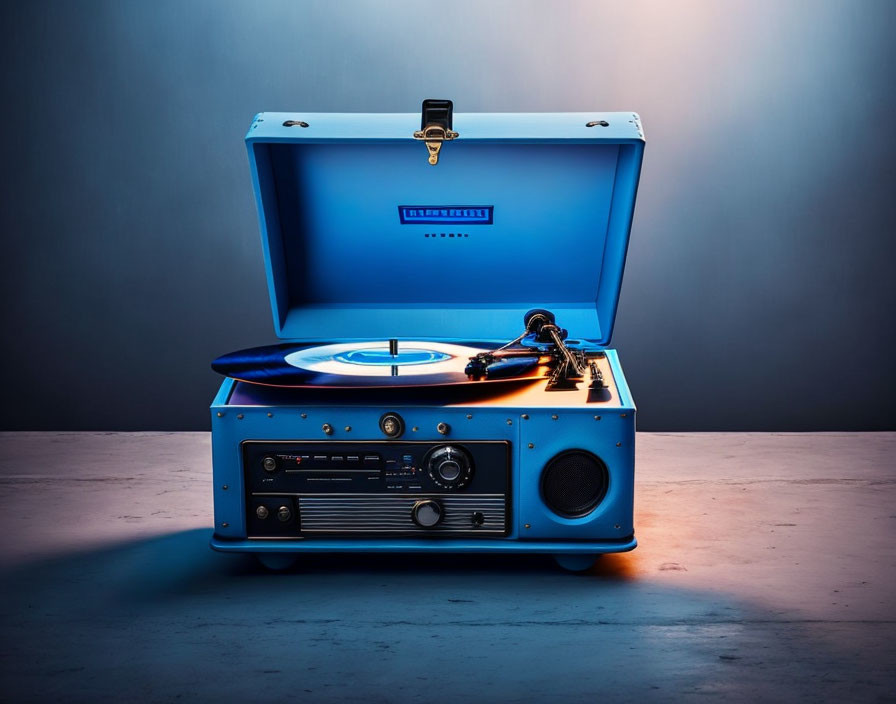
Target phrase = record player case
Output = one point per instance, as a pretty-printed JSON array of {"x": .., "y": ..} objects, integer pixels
[{"x": 365, "y": 238}]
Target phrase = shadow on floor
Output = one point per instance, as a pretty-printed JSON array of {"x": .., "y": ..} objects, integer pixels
[{"x": 167, "y": 619}]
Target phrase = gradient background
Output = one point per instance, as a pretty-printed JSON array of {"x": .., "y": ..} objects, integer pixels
[{"x": 760, "y": 288}]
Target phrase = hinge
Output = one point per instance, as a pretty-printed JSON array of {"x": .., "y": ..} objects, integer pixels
[{"x": 435, "y": 126}]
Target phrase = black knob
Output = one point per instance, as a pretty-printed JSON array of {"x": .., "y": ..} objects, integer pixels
[
  {"x": 450, "y": 467},
  {"x": 269, "y": 463},
  {"x": 284, "y": 514},
  {"x": 426, "y": 513}
]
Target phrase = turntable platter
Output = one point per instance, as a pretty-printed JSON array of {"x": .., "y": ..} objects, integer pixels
[{"x": 367, "y": 364}]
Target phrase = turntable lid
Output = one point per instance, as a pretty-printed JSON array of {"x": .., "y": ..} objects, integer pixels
[{"x": 364, "y": 239}]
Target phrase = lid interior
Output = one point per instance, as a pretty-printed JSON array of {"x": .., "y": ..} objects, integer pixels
[{"x": 342, "y": 264}]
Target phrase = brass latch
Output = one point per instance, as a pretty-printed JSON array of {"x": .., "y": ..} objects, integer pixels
[{"x": 435, "y": 127}]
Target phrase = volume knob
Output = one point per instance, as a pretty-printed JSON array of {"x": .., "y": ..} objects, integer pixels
[
  {"x": 427, "y": 513},
  {"x": 450, "y": 467}
]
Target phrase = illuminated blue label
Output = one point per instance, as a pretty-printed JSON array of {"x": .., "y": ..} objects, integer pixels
[{"x": 445, "y": 214}]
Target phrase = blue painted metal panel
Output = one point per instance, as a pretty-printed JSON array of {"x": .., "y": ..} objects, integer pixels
[{"x": 341, "y": 263}]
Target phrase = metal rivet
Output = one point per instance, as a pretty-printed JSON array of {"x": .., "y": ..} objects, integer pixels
[
  {"x": 220, "y": 415},
  {"x": 443, "y": 428},
  {"x": 527, "y": 526},
  {"x": 415, "y": 429},
  {"x": 509, "y": 422},
  {"x": 531, "y": 445},
  {"x": 596, "y": 417},
  {"x": 525, "y": 416},
  {"x": 618, "y": 444},
  {"x": 224, "y": 525},
  {"x": 270, "y": 415},
  {"x": 327, "y": 428},
  {"x": 554, "y": 417},
  {"x": 240, "y": 416},
  {"x": 348, "y": 428},
  {"x": 469, "y": 416},
  {"x": 304, "y": 415},
  {"x": 225, "y": 487}
]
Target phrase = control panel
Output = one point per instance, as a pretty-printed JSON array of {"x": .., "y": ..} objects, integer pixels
[{"x": 352, "y": 488}]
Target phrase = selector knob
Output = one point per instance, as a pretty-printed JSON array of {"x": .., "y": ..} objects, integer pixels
[
  {"x": 426, "y": 513},
  {"x": 269, "y": 463},
  {"x": 450, "y": 467}
]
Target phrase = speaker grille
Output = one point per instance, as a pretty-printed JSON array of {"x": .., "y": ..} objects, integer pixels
[{"x": 573, "y": 483}]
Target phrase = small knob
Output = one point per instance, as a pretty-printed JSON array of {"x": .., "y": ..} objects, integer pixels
[
  {"x": 284, "y": 513},
  {"x": 269, "y": 464},
  {"x": 392, "y": 425},
  {"x": 426, "y": 513},
  {"x": 262, "y": 512}
]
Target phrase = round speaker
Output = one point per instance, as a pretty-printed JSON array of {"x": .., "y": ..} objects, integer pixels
[{"x": 573, "y": 483}]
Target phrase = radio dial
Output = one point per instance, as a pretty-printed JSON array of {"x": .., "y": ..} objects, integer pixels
[{"x": 450, "y": 467}]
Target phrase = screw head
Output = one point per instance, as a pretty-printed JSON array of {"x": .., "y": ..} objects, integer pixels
[
  {"x": 554, "y": 417},
  {"x": 443, "y": 428},
  {"x": 327, "y": 428},
  {"x": 618, "y": 444},
  {"x": 240, "y": 416},
  {"x": 270, "y": 415},
  {"x": 225, "y": 487},
  {"x": 220, "y": 415},
  {"x": 303, "y": 415},
  {"x": 348, "y": 428},
  {"x": 531, "y": 445},
  {"x": 525, "y": 416},
  {"x": 509, "y": 422},
  {"x": 469, "y": 416},
  {"x": 596, "y": 417}
]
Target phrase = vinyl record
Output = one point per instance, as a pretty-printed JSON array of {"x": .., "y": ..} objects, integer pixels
[{"x": 368, "y": 364}]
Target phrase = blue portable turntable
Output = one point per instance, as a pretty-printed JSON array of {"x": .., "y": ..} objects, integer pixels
[{"x": 445, "y": 297}]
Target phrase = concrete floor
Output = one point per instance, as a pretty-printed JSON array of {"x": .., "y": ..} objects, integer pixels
[{"x": 765, "y": 572}]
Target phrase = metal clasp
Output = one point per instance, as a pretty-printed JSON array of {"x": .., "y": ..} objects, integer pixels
[{"x": 435, "y": 127}]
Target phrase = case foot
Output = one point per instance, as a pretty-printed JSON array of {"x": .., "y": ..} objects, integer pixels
[
  {"x": 576, "y": 563},
  {"x": 275, "y": 561}
]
